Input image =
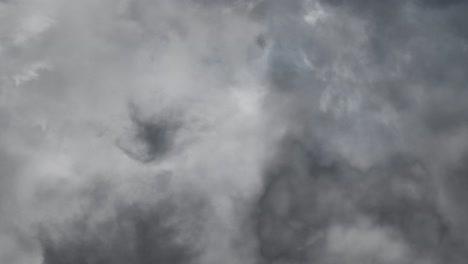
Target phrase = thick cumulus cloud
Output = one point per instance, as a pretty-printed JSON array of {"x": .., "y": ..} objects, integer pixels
[
  {"x": 372, "y": 96},
  {"x": 125, "y": 129},
  {"x": 304, "y": 131}
]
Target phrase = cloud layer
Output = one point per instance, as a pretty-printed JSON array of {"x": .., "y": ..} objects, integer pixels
[{"x": 318, "y": 131}]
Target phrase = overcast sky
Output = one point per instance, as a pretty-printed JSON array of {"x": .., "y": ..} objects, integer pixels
[{"x": 243, "y": 131}]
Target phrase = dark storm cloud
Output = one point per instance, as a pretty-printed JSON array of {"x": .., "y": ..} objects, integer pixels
[
  {"x": 140, "y": 234},
  {"x": 151, "y": 139},
  {"x": 403, "y": 56},
  {"x": 325, "y": 131}
]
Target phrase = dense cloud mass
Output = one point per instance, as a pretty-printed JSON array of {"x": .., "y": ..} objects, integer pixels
[{"x": 243, "y": 131}]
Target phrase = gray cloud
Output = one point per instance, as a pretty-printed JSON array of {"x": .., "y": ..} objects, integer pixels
[
  {"x": 265, "y": 131},
  {"x": 381, "y": 99}
]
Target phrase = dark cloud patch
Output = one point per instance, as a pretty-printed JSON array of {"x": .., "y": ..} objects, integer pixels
[
  {"x": 304, "y": 193},
  {"x": 305, "y": 196},
  {"x": 156, "y": 137},
  {"x": 402, "y": 195},
  {"x": 138, "y": 233},
  {"x": 150, "y": 139}
]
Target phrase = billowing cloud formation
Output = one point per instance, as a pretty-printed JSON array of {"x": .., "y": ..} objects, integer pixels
[{"x": 305, "y": 131}]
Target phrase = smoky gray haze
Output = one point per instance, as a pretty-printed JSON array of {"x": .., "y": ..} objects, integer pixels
[{"x": 233, "y": 132}]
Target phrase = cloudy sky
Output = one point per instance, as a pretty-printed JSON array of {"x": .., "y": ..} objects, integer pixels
[{"x": 233, "y": 131}]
